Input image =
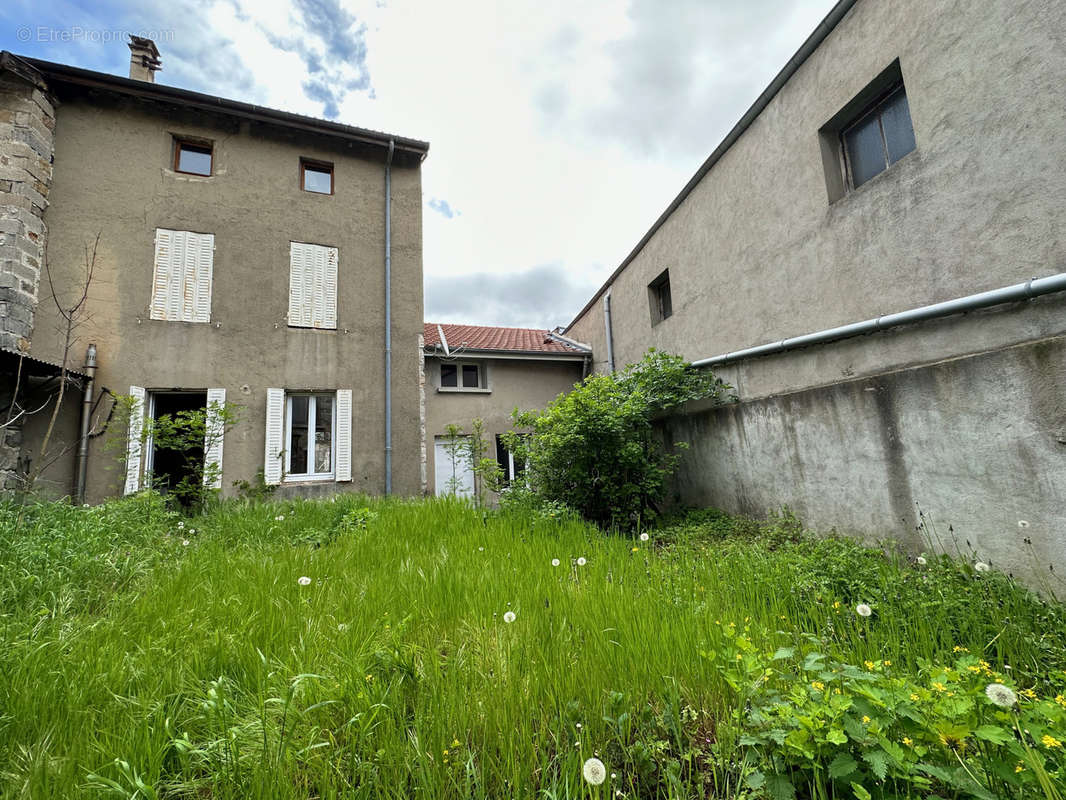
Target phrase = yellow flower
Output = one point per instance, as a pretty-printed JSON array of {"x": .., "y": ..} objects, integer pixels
[
  {"x": 635, "y": 549},
  {"x": 958, "y": 649},
  {"x": 865, "y": 720},
  {"x": 869, "y": 664},
  {"x": 1050, "y": 741},
  {"x": 837, "y": 691},
  {"x": 1060, "y": 700},
  {"x": 1020, "y": 767},
  {"x": 915, "y": 697},
  {"x": 444, "y": 752},
  {"x": 907, "y": 741},
  {"x": 369, "y": 678},
  {"x": 455, "y": 743},
  {"x": 972, "y": 668},
  {"x": 836, "y": 604},
  {"x": 1028, "y": 693},
  {"x": 818, "y": 685},
  {"x": 887, "y": 663},
  {"x": 738, "y": 656},
  {"x": 939, "y": 686}
]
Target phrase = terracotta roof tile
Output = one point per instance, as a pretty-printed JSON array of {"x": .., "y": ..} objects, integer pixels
[{"x": 484, "y": 337}]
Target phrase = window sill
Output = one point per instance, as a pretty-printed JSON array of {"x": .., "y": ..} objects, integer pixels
[
  {"x": 460, "y": 390},
  {"x": 893, "y": 169},
  {"x": 292, "y": 327},
  {"x": 302, "y": 479}
]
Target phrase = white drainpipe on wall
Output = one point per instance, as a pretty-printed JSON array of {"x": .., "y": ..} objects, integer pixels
[
  {"x": 1034, "y": 287},
  {"x": 388, "y": 319}
]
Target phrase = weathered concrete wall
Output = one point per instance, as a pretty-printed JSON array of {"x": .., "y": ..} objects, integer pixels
[
  {"x": 977, "y": 443},
  {"x": 27, "y": 123},
  {"x": 757, "y": 253},
  {"x": 522, "y": 384},
  {"x": 113, "y": 176}
]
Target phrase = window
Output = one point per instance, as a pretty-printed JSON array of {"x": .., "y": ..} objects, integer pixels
[
  {"x": 463, "y": 377},
  {"x": 868, "y": 135},
  {"x": 182, "y": 276},
  {"x": 309, "y": 436},
  {"x": 194, "y": 158},
  {"x": 316, "y": 176},
  {"x": 511, "y": 467},
  {"x": 659, "y": 298},
  {"x": 312, "y": 286},
  {"x": 880, "y": 138}
]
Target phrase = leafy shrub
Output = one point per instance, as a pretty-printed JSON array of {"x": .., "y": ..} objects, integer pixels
[{"x": 595, "y": 449}]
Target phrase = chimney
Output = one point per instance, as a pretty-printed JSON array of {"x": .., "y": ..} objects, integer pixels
[{"x": 144, "y": 59}]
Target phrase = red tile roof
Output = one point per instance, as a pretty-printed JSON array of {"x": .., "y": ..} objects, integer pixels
[{"x": 484, "y": 337}]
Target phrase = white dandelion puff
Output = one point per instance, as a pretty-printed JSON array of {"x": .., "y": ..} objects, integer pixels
[
  {"x": 279, "y": 518},
  {"x": 579, "y": 726},
  {"x": 921, "y": 561},
  {"x": 192, "y": 530},
  {"x": 509, "y": 617},
  {"x": 581, "y": 561},
  {"x": 644, "y": 537},
  {"x": 1023, "y": 523},
  {"x": 184, "y": 542},
  {"x": 555, "y": 562},
  {"x": 1002, "y": 696},
  {"x": 981, "y": 566},
  {"x": 594, "y": 771},
  {"x": 481, "y": 549},
  {"x": 181, "y": 525},
  {"x": 304, "y": 581},
  {"x": 342, "y": 627},
  {"x": 863, "y": 610}
]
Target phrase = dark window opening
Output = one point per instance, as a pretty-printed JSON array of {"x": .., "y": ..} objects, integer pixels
[
  {"x": 659, "y": 298},
  {"x": 192, "y": 157},
  {"x": 470, "y": 376},
  {"x": 316, "y": 176},
  {"x": 178, "y": 473},
  {"x": 511, "y": 467},
  {"x": 449, "y": 375},
  {"x": 878, "y": 139}
]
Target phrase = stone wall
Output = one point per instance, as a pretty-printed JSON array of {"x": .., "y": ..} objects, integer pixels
[{"x": 27, "y": 125}]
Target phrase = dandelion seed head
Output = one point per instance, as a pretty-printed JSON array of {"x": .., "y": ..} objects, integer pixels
[
  {"x": 921, "y": 561},
  {"x": 509, "y": 617},
  {"x": 581, "y": 561},
  {"x": 279, "y": 518},
  {"x": 863, "y": 610},
  {"x": 181, "y": 525},
  {"x": 594, "y": 771},
  {"x": 184, "y": 542},
  {"x": 555, "y": 562},
  {"x": 644, "y": 537},
  {"x": 981, "y": 566},
  {"x": 481, "y": 549},
  {"x": 304, "y": 581},
  {"x": 1000, "y": 695}
]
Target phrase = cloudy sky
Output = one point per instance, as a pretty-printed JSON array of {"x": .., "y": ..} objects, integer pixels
[{"x": 558, "y": 130}]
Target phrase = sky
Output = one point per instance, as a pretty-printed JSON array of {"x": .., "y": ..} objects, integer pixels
[{"x": 559, "y": 131}]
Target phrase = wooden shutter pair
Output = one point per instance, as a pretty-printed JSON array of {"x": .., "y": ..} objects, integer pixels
[
  {"x": 312, "y": 285},
  {"x": 182, "y": 278},
  {"x": 274, "y": 463}
]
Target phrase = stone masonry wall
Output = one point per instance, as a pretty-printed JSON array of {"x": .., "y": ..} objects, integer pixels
[{"x": 27, "y": 124}]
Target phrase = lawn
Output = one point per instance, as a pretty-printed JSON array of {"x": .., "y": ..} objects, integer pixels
[{"x": 396, "y": 649}]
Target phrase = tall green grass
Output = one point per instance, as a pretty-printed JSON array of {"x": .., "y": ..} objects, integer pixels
[{"x": 136, "y": 665}]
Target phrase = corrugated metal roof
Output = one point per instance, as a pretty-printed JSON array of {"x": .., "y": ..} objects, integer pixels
[{"x": 35, "y": 366}]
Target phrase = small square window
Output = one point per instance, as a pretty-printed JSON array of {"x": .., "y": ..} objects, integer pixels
[
  {"x": 194, "y": 158},
  {"x": 316, "y": 176},
  {"x": 463, "y": 377},
  {"x": 659, "y": 298},
  {"x": 449, "y": 375},
  {"x": 470, "y": 376},
  {"x": 309, "y": 437}
]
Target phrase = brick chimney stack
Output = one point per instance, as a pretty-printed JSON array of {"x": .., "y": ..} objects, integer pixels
[{"x": 144, "y": 59}]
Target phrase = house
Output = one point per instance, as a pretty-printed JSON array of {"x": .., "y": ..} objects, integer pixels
[
  {"x": 477, "y": 372},
  {"x": 242, "y": 256},
  {"x": 874, "y": 257}
]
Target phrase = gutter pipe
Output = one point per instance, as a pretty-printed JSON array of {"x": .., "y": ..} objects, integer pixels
[
  {"x": 86, "y": 413},
  {"x": 1034, "y": 287},
  {"x": 610, "y": 330},
  {"x": 388, "y": 318}
]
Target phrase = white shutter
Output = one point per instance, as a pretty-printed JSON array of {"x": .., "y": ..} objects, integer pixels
[
  {"x": 275, "y": 435},
  {"x": 181, "y": 283},
  {"x": 344, "y": 434},
  {"x": 312, "y": 285},
  {"x": 133, "y": 445},
  {"x": 329, "y": 284},
  {"x": 216, "y": 399}
]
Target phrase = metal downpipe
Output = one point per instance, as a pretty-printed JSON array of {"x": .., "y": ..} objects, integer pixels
[
  {"x": 610, "y": 330},
  {"x": 1034, "y": 287},
  {"x": 388, "y": 318},
  {"x": 83, "y": 437}
]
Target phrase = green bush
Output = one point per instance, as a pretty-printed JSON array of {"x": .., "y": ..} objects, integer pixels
[{"x": 595, "y": 449}]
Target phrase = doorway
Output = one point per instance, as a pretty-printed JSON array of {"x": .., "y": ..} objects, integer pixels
[{"x": 176, "y": 462}]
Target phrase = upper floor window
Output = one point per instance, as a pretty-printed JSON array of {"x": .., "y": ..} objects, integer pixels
[
  {"x": 182, "y": 276},
  {"x": 316, "y": 176},
  {"x": 193, "y": 157},
  {"x": 879, "y": 138},
  {"x": 659, "y": 298},
  {"x": 312, "y": 285},
  {"x": 460, "y": 377}
]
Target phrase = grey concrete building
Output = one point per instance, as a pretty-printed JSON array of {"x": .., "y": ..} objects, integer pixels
[
  {"x": 910, "y": 155},
  {"x": 242, "y": 255},
  {"x": 480, "y": 372}
]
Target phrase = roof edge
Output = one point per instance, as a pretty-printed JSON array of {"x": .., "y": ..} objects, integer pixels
[
  {"x": 136, "y": 88},
  {"x": 825, "y": 27}
]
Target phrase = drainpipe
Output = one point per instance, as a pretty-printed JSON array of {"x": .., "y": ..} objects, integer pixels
[
  {"x": 86, "y": 413},
  {"x": 1034, "y": 287},
  {"x": 610, "y": 330},
  {"x": 388, "y": 318}
]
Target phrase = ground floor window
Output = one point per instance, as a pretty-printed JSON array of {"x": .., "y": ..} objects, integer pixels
[
  {"x": 511, "y": 467},
  {"x": 309, "y": 436}
]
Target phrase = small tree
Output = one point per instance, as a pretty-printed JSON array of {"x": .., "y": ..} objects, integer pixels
[{"x": 596, "y": 450}]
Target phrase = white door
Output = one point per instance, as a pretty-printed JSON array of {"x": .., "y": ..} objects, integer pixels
[{"x": 454, "y": 473}]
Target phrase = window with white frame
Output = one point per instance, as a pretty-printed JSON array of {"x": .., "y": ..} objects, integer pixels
[
  {"x": 308, "y": 436},
  {"x": 182, "y": 276},
  {"x": 463, "y": 376},
  {"x": 312, "y": 286}
]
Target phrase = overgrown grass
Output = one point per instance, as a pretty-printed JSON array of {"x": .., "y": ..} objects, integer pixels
[{"x": 140, "y": 659}]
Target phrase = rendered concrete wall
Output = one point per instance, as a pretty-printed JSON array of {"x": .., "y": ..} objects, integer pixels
[
  {"x": 521, "y": 384},
  {"x": 113, "y": 176},
  {"x": 977, "y": 444}
]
